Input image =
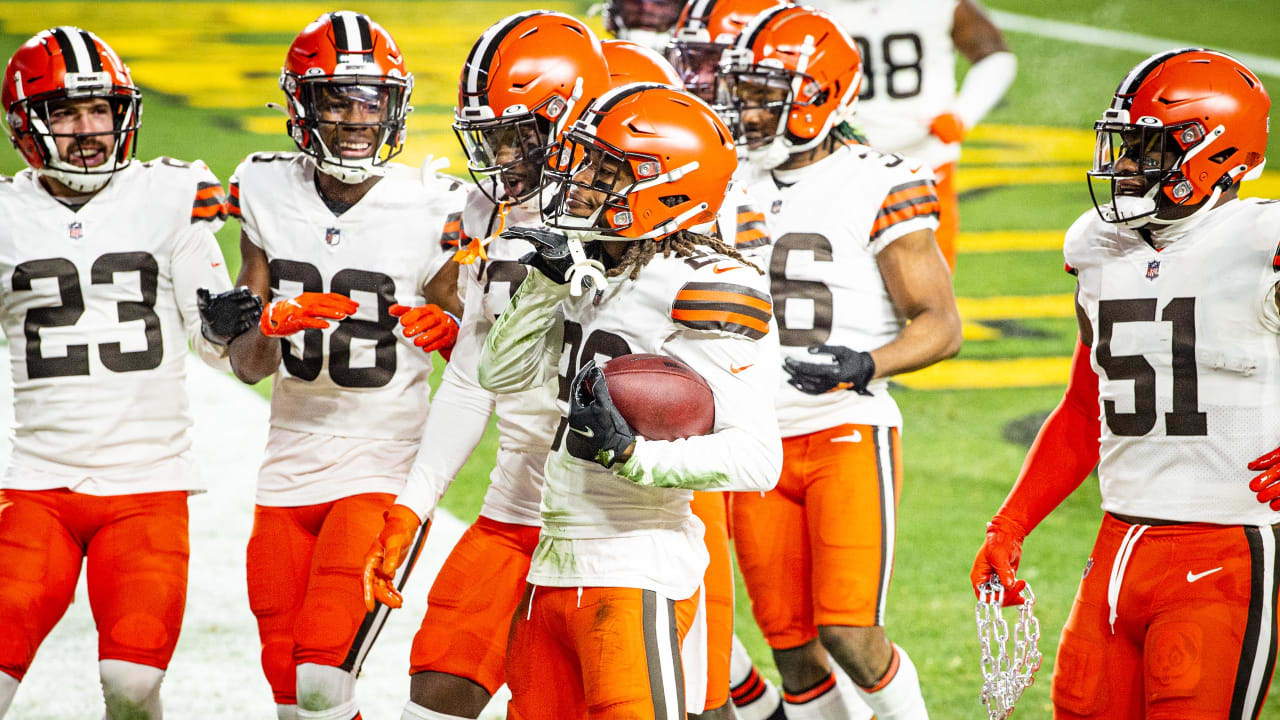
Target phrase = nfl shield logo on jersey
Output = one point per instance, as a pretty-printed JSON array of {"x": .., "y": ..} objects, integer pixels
[
  {"x": 1153, "y": 269},
  {"x": 75, "y": 231},
  {"x": 332, "y": 236}
]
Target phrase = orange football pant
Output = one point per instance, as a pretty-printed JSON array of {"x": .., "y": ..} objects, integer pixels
[
  {"x": 469, "y": 609},
  {"x": 1194, "y": 635},
  {"x": 818, "y": 548},
  {"x": 597, "y": 653},
  {"x": 948, "y": 212},
  {"x": 304, "y": 570},
  {"x": 712, "y": 509},
  {"x": 137, "y": 552}
]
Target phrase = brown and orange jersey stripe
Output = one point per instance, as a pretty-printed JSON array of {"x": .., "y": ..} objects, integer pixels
[
  {"x": 725, "y": 307},
  {"x": 210, "y": 203},
  {"x": 905, "y": 202},
  {"x": 233, "y": 201},
  {"x": 751, "y": 232},
  {"x": 451, "y": 236}
]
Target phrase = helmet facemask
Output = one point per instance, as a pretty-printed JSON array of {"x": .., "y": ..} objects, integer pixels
[
  {"x": 755, "y": 101},
  {"x": 37, "y": 116},
  {"x": 506, "y": 155},
  {"x": 1137, "y": 175},
  {"x": 351, "y": 125},
  {"x": 696, "y": 60},
  {"x": 647, "y": 22}
]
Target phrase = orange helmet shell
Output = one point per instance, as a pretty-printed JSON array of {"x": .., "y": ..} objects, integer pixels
[
  {"x": 631, "y": 62},
  {"x": 679, "y": 152}
]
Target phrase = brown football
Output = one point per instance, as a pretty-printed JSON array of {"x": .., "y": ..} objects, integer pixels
[{"x": 660, "y": 397}]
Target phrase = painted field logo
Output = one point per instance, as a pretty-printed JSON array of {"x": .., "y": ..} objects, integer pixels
[
  {"x": 1153, "y": 269},
  {"x": 332, "y": 236}
]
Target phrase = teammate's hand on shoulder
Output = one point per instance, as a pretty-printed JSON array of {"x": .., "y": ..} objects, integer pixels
[
  {"x": 225, "y": 316},
  {"x": 847, "y": 370},
  {"x": 430, "y": 327},
  {"x": 602, "y": 434},
  {"x": 304, "y": 312},
  {"x": 550, "y": 255},
  {"x": 948, "y": 127},
  {"x": 386, "y": 555},
  {"x": 1266, "y": 485},
  {"x": 999, "y": 556}
]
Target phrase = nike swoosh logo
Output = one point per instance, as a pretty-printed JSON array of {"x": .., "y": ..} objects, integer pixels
[
  {"x": 589, "y": 433},
  {"x": 721, "y": 269},
  {"x": 855, "y": 437},
  {"x": 736, "y": 370},
  {"x": 216, "y": 265},
  {"x": 1192, "y": 577}
]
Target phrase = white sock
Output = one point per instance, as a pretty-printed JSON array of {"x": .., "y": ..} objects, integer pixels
[
  {"x": 8, "y": 688},
  {"x": 414, "y": 711},
  {"x": 897, "y": 695},
  {"x": 130, "y": 690},
  {"x": 754, "y": 697},
  {"x": 325, "y": 693},
  {"x": 821, "y": 702},
  {"x": 858, "y": 710},
  {"x": 286, "y": 712}
]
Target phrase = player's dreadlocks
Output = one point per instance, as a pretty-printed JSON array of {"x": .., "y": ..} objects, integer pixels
[{"x": 682, "y": 243}]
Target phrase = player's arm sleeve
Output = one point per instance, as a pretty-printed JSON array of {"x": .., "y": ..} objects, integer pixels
[
  {"x": 459, "y": 415},
  {"x": 910, "y": 205},
  {"x": 986, "y": 82},
  {"x": 726, "y": 339},
  {"x": 1065, "y": 450},
  {"x": 514, "y": 354},
  {"x": 197, "y": 262}
]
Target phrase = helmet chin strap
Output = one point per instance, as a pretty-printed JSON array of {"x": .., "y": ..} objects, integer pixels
[
  {"x": 78, "y": 181},
  {"x": 350, "y": 174}
]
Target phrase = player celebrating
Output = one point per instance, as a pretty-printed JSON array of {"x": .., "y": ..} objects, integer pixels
[
  {"x": 506, "y": 115},
  {"x": 335, "y": 233},
  {"x": 1176, "y": 614},
  {"x": 817, "y": 552},
  {"x": 908, "y": 103},
  {"x": 100, "y": 260},
  {"x": 613, "y": 582}
]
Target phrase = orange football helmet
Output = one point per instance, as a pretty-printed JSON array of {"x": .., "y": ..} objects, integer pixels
[
  {"x": 67, "y": 63},
  {"x": 661, "y": 158},
  {"x": 631, "y": 62},
  {"x": 527, "y": 77},
  {"x": 1183, "y": 127},
  {"x": 345, "y": 60},
  {"x": 706, "y": 29},
  {"x": 808, "y": 62},
  {"x": 648, "y": 22}
]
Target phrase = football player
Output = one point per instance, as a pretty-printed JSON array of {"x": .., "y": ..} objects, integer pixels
[
  {"x": 100, "y": 261},
  {"x": 861, "y": 293},
  {"x": 506, "y": 117},
  {"x": 1175, "y": 371},
  {"x": 908, "y": 103},
  {"x": 704, "y": 30},
  {"x": 341, "y": 242},
  {"x": 647, "y": 22},
  {"x": 613, "y": 584}
]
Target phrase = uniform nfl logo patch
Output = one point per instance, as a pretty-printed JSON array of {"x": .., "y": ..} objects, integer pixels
[
  {"x": 776, "y": 207},
  {"x": 75, "y": 231},
  {"x": 1153, "y": 269},
  {"x": 333, "y": 236}
]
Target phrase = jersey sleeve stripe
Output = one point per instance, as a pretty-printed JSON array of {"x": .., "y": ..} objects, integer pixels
[
  {"x": 751, "y": 231},
  {"x": 725, "y": 296},
  {"x": 209, "y": 202},
  {"x": 723, "y": 307},
  {"x": 1275, "y": 261},
  {"x": 451, "y": 236},
  {"x": 898, "y": 197},
  {"x": 909, "y": 210},
  {"x": 722, "y": 321},
  {"x": 233, "y": 202}
]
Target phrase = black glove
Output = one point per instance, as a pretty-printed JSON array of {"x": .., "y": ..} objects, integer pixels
[
  {"x": 551, "y": 251},
  {"x": 600, "y": 433},
  {"x": 223, "y": 317},
  {"x": 852, "y": 370}
]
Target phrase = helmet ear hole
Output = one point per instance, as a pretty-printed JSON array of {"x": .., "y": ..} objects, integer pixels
[
  {"x": 673, "y": 200},
  {"x": 1223, "y": 156}
]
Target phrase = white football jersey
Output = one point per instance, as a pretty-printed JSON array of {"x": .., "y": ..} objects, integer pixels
[
  {"x": 1188, "y": 362},
  {"x": 526, "y": 420},
  {"x": 359, "y": 379},
  {"x": 829, "y": 220},
  {"x": 98, "y": 306},
  {"x": 601, "y": 529},
  {"x": 909, "y": 71}
]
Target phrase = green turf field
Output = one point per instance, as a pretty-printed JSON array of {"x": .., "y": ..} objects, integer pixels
[{"x": 208, "y": 68}]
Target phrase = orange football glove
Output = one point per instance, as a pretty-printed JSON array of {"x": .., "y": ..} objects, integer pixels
[
  {"x": 428, "y": 326},
  {"x": 1267, "y": 485},
  {"x": 999, "y": 555},
  {"x": 307, "y": 311},
  {"x": 386, "y": 555},
  {"x": 948, "y": 127}
]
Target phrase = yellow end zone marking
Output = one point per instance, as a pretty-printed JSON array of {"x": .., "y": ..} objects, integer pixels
[
  {"x": 974, "y": 331},
  {"x": 1017, "y": 306},
  {"x": 1010, "y": 241},
  {"x": 981, "y": 374}
]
